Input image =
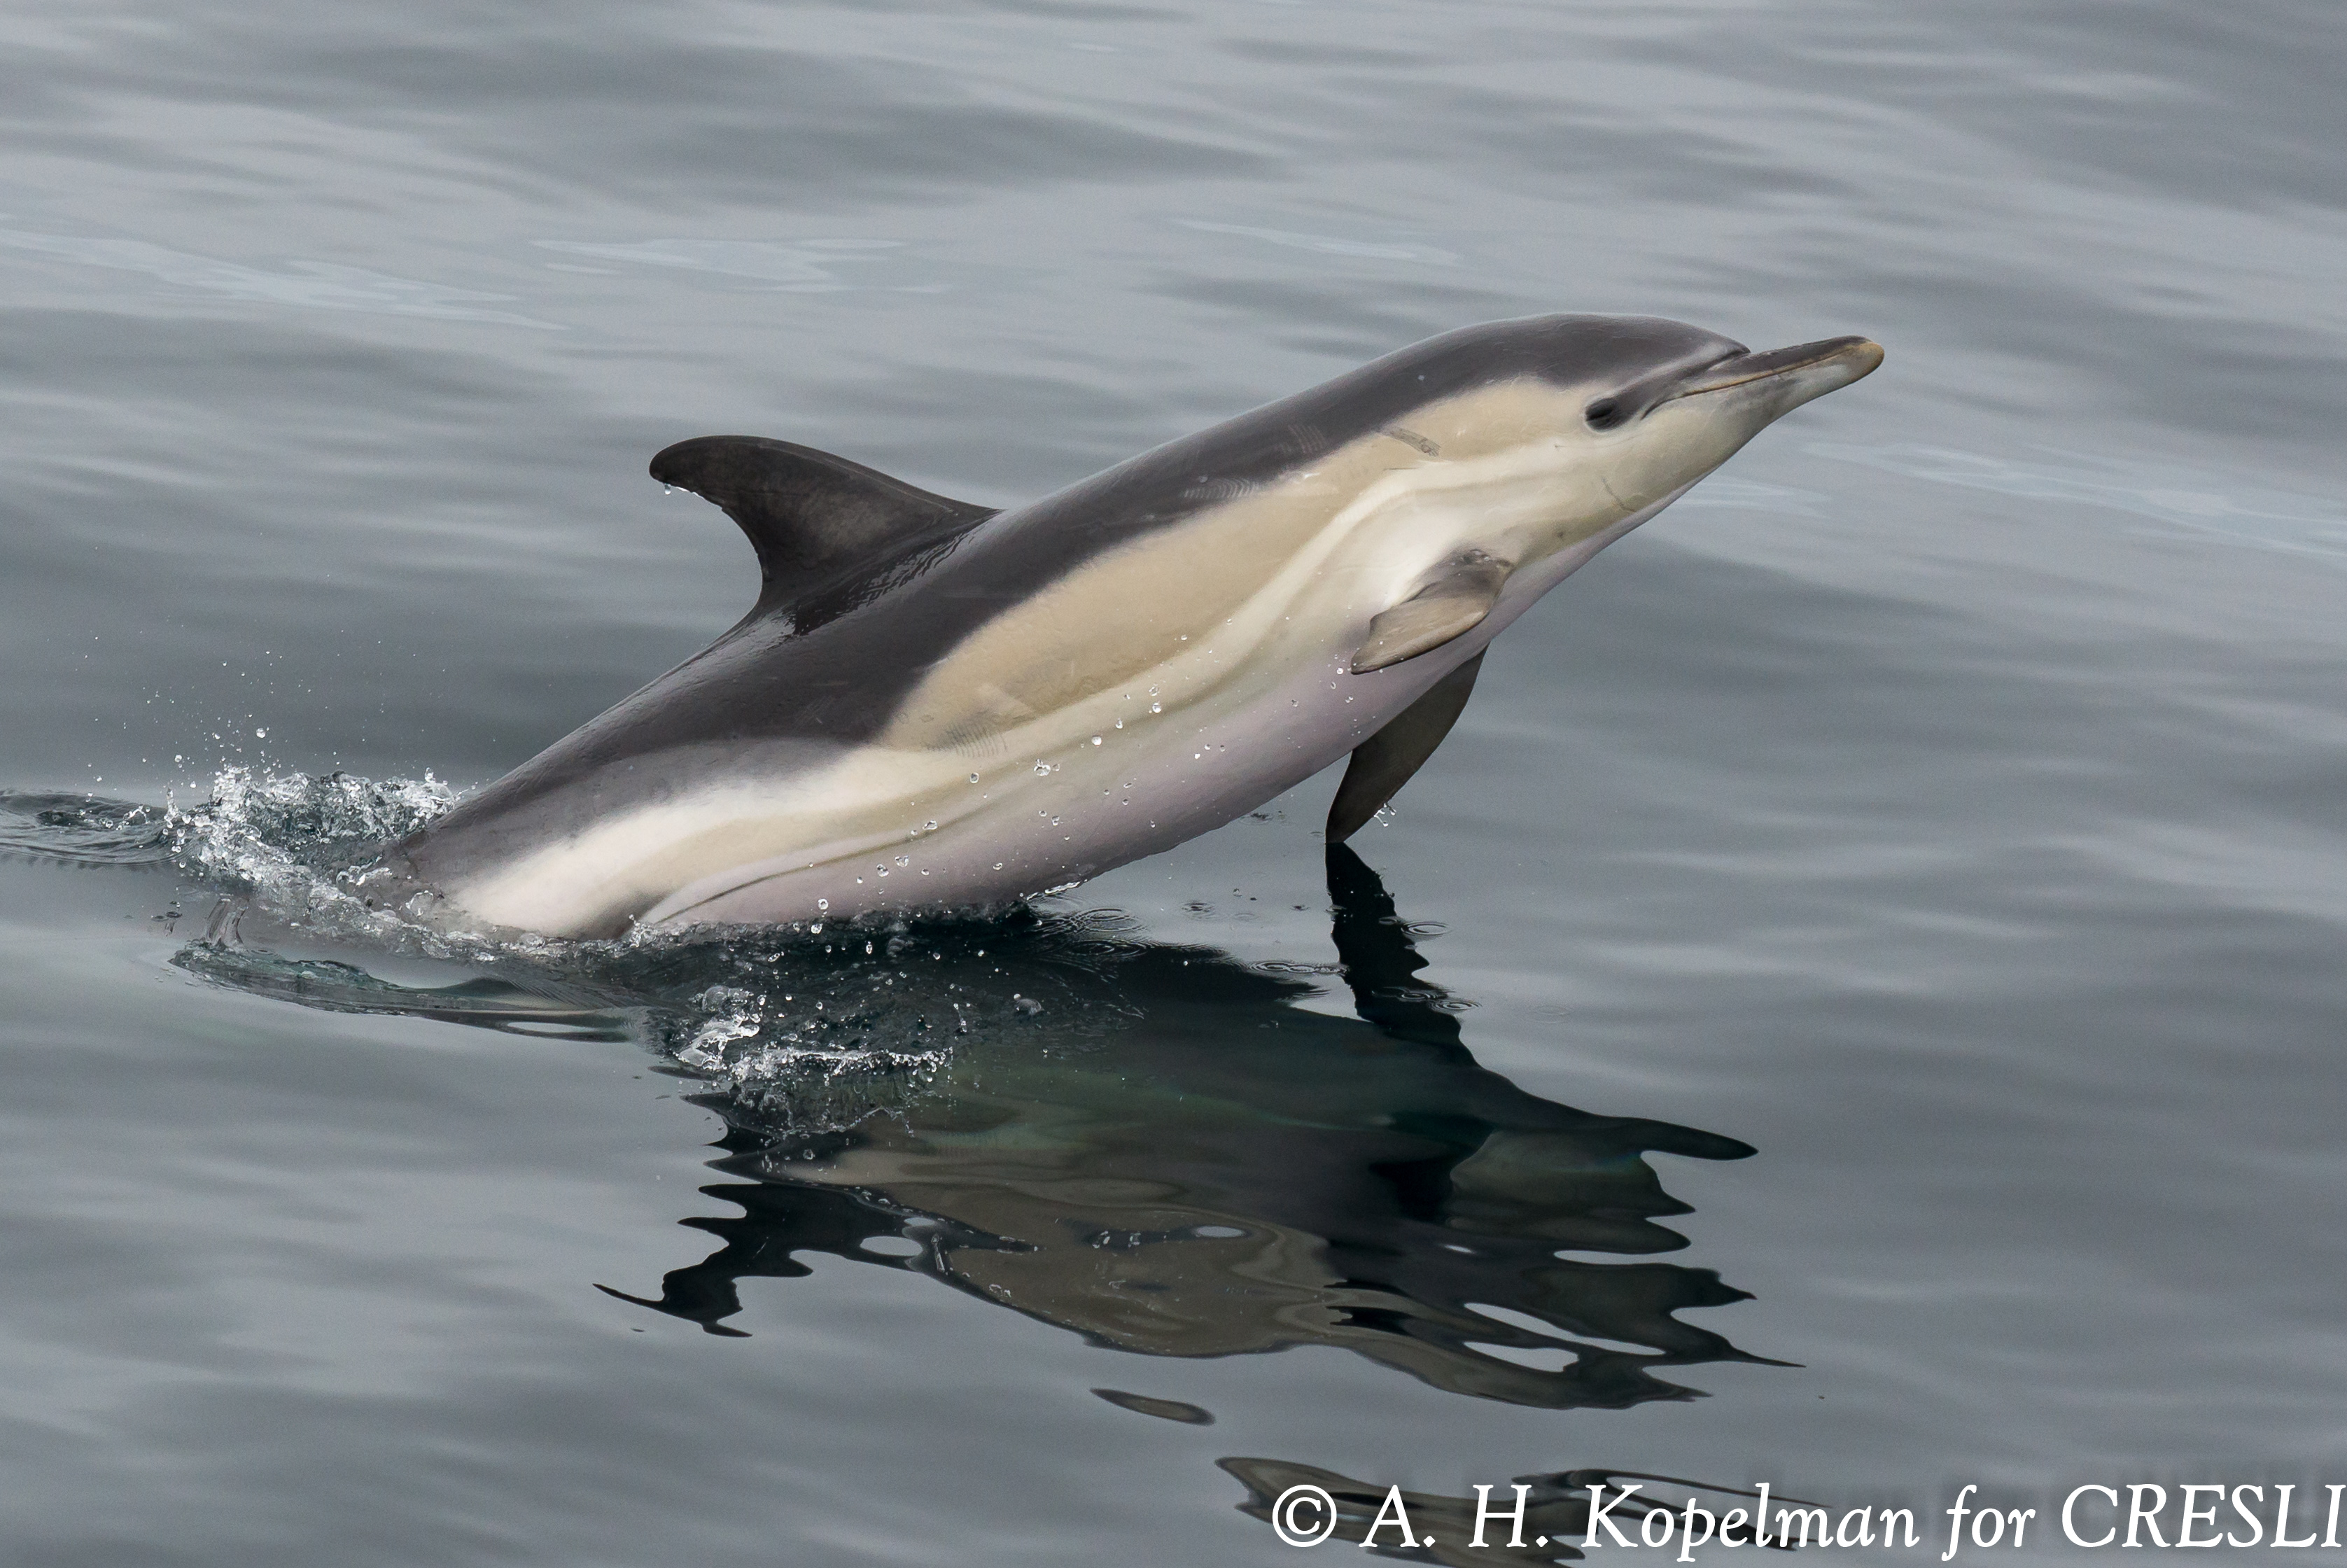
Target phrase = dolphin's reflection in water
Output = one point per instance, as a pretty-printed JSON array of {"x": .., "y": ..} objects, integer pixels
[{"x": 1156, "y": 1148}]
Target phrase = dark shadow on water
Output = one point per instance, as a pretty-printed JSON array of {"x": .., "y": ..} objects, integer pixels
[{"x": 1156, "y": 1147}]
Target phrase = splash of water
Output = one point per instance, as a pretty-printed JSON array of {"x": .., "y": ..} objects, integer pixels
[
  {"x": 805, "y": 1029},
  {"x": 290, "y": 837},
  {"x": 286, "y": 839}
]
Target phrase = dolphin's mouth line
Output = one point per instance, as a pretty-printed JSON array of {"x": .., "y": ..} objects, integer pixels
[{"x": 1743, "y": 369}]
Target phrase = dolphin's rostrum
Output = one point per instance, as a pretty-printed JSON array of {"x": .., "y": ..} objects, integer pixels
[{"x": 935, "y": 705}]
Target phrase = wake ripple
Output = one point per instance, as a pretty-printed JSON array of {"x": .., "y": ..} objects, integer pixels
[
  {"x": 84, "y": 830},
  {"x": 799, "y": 1026},
  {"x": 262, "y": 833}
]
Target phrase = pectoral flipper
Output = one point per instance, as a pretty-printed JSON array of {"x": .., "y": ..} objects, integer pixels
[{"x": 1455, "y": 602}]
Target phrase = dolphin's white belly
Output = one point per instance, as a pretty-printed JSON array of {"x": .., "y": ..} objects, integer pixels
[{"x": 1180, "y": 747}]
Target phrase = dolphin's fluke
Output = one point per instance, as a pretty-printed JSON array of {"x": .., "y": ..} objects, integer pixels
[
  {"x": 810, "y": 515},
  {"x": 1385, "y": 762}
]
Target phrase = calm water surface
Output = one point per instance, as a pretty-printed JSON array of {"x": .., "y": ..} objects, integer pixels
[{"x": 1855, "y": 1005}]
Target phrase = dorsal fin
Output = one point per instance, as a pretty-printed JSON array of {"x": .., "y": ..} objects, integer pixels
[{"x": 810, "y": 515}]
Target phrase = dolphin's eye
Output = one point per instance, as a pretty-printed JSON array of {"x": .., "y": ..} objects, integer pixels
[{"x": 1603, "y": 415}]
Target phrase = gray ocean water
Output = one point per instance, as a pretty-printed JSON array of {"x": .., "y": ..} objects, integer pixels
[{"x": 1855, "y": 1005}]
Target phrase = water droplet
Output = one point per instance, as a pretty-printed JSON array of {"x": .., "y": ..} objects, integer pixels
[
  {"x": 816, "y": 928},
  {"x": 1096, "y": 740},
  {"x": 263, "y": 734},
  {"x": 997, "y": 866},
  {"x": 1042, "y": 768},
  {"x": 1156, "y": 707},
  {"x": 1153, "y": 691},
  {"x": 973, "y": 778},
  {"x": 880, "y": 871},
  {"x": 1120, "y": 724},
  {"x": 822, "y": 904},
  {"x": 929, "y": 827},
  {"x": 904, "y": 860}
]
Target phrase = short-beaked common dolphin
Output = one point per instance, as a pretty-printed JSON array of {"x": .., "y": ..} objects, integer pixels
[{"x": 935, "y": 705}]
